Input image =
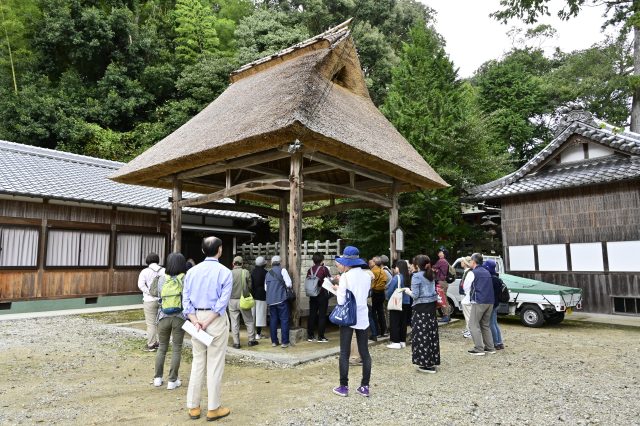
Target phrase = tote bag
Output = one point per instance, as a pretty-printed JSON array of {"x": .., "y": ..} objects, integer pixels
[
  {"x": 395, "y": 301},
  {"x": 345, "y": 315}
]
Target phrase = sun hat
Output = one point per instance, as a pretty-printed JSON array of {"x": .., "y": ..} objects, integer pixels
[
  {"x": 466, "y": 261},
  {"x": 238, "y": 260},
  {"x": 350, "y": 257},
  {"x": 275, "y": 259},
  {"x": 490, "y": 265},
  {"x": 260, "y": 261}
]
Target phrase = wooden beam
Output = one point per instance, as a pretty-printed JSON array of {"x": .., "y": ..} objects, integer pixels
[
  {"x": 252, "y": 186},
  {"x": 266, "y": 171},
  {"x": 318, "y": 169},
  {"x": 350, "y": 167},
  {"x": 246, "y": 161},
  {"x": 176, "y": 215},
  {"x": 284, "y": 229},
  {"x": 352, "y": 180},
  {"x": 337, "y": 208},
  {"x": 346, "y": 192},
  {"x": 244, "y": 208},
  {"x": 295, "y": 229},
  {"x": 227, "y": 178},
  {"x": 394, "y": 222}
]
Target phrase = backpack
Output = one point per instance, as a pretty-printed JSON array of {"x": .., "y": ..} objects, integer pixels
[
  {"x": 311, "y": 283},
  {"x": 451, "y": 275},
  {"x": 504, "y": 295},
  {"x": 461, "y": 288},
  {"x": 171, "y": 295},
  {"x": 153, "y": 289}
]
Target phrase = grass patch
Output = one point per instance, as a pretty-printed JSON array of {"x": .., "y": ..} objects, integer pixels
[{"x": 116, "y": 317}]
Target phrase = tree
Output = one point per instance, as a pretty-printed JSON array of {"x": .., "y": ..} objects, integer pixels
[
  {"x": 196, "y": 34},
  {"x": 626, "y": 12}
]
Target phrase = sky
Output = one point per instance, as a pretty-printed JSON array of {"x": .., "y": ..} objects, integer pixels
[{"x": 473, "y": 37}]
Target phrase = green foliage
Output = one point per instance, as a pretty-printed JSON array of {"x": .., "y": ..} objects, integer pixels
[{"x": 196, "y": 34}]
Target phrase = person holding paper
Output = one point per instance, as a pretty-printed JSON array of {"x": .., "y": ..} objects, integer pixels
[{"x": 206, "y": 294}]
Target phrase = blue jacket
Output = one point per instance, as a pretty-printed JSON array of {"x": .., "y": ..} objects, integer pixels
[
  {"x": 276, "y": 288},
  {"x": 424, "y": 291},
  {"x": 497, "y": 289},
  {"x": 393, "y": 285},
  {"x": 482, "y": 287}
]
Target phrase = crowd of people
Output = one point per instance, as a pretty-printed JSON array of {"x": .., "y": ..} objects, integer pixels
[{"x": 214, "y": 298}]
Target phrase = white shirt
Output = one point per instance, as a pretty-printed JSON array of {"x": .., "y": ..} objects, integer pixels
[
  {"x": 146, "y": 278},
  {"x": 466, "y": 286},
  {"x": 358, "y": 282}
]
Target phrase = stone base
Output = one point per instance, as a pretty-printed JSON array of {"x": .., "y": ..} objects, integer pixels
[{"x": 296, "y": 335}]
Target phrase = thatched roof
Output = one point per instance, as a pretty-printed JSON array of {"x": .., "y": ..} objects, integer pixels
[{"x": 314, "y": 92}]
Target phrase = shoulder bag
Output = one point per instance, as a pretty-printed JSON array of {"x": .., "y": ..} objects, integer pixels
[
  {"x": 247, "y": 302},
  {"x": 395, "y": 301}
]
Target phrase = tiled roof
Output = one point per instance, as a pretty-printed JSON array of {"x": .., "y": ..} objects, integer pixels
[
  {"x": 623, "y": 166},
  {"x": 38, "y": 172}
]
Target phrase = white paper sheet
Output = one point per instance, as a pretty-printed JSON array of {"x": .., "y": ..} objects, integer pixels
[
  {"x": 326, "y": 284},
  {"x": 201, "y": 335}
]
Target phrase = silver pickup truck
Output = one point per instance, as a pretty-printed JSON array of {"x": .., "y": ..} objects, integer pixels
[{"x": 536, "y": 302}]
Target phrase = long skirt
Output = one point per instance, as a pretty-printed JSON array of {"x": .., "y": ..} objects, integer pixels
[
  {"x": 425, "y": 339},
  {"x": 259, "y": 312}
]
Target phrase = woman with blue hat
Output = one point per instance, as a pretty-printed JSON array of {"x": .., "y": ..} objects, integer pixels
[
  {"x": 357, "y": 281},
  {"x": 490, "y": 265}
]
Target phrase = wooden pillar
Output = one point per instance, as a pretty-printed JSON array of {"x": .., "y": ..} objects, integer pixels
[
  {"x": 176, "y": 216},
  {"x": 284, "y": 230},
  {"x": 394, "y": 222},
  {"x": 295, "y": 229}
]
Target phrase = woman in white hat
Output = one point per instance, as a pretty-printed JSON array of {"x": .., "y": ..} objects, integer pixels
[{"x": 259, "y": 311}]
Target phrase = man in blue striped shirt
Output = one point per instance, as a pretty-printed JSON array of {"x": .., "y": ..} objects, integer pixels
[{"x": 206, "y": 293}]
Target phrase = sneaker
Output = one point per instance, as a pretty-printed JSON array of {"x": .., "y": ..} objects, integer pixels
[
  {"x": 403, "y": 344},
  {"x": 430, "y": 370},
  {"x": 175, "y": 384},
  {"x": 273, "y": 345},
  {"x": 236, "y": 345},
  {"x": 373, "y": 338},
  {"x": 476, "y": 353},
  {"x": 151, "y": 348},
  {"x": 157, "y": 381},
  {"x": 444, "y": 320},
  {"x": 311, "y": 339},
  {"x": 363, "y": 390},
  {"x": 253, "y": 343},
  {"x": 394, "y": 346},
  {"x": 341, "y": 390},
  {"x": 487, "y": 351},
  {"x": 323, "y": 340},
  {"x": 285, "y": 345},
  {"x": 499, "y": 346},
  {"x": 466, "y": 334},
  {"x": 258, "y": 336}
]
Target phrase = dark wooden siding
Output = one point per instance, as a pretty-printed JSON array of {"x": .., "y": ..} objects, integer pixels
[{"x": 581, "y": 215}]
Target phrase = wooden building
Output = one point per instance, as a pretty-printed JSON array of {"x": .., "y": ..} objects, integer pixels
[
  {"x": 295, "y": 126},
  {"x": 571, "y": 215},
  {"x": 69, "y": 236}
]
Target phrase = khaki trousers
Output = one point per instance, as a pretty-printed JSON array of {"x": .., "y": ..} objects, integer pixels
[
  {"x": 210, "y": 358},
  {"x": 466, "y": 311},
  {"x": 150, "y": 317},
  {"x": 247, "y": 317}
]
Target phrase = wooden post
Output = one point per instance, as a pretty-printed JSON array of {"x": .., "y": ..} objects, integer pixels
[
  {"x": 176, "y": 216},
  {"x": 295, "y": 229},
  {"x": 284, "y": 230},
  {"x": 394, "y": 222}
]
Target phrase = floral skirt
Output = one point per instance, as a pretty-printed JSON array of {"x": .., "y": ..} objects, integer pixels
[{"x": 425, "y": 339}]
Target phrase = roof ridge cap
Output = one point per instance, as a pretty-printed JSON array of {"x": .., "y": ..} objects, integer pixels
[{"x": 58, "y": 155}]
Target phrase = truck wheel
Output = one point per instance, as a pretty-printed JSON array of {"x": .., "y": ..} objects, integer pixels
[
  {"x": 452, "y": 307},
  {"x": 531, "y": 316},
  {"x": 555, "y": 318}
]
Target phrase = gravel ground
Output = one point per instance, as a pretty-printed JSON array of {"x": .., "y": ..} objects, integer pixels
[{"x": 73, "y": 370}]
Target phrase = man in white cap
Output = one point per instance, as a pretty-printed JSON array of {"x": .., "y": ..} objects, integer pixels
[
  {"x": 259, "y": 311},
  {"x": 241, "y": 287},
  {"x": 276, "y": 282}
]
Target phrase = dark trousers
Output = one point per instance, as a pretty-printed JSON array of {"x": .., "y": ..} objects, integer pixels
[
  {"x": 317, "y": 315},
  {"x": 398, "y": 324},
  {"x": 377, "y": 301},
  {"x": 346, "y": 333},
  {"x": 373, "y": 330},
  {"x": 279, "y": 314}
]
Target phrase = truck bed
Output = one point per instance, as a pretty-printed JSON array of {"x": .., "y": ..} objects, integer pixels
[{"x": 526, "y": 285}]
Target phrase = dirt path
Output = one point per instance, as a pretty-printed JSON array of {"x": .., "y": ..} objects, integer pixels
[{"x": 76, "y": 370}]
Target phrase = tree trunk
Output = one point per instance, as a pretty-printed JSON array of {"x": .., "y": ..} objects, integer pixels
[{"x": 635, "y": 104}]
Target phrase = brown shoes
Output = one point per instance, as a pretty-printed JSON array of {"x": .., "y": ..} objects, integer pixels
[
  {"x": 218, "y": 413},
  {"x": 194, "y": 413}
]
